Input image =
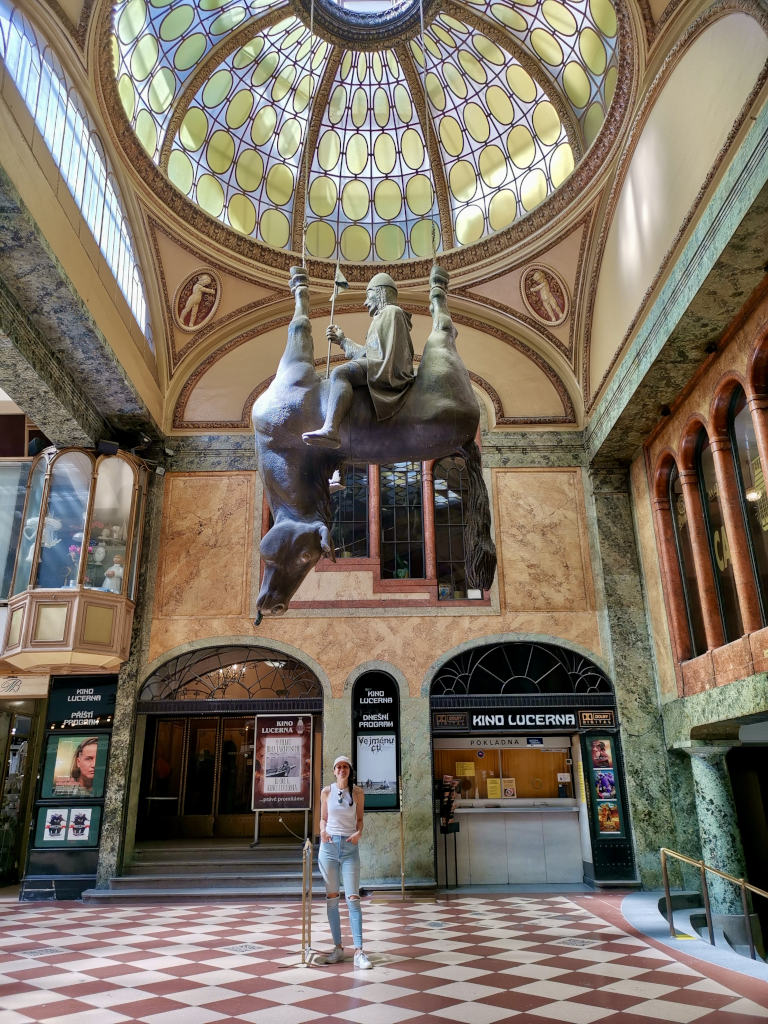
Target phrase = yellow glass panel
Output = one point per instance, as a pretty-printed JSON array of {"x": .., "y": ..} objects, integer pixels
[
  {"x": 424, "y": 235},
  {"x": 264, "y": 69},
  {"x": 463, "y": 181},
  {"x": 180, "y": 171},
  {"x": 454, "y": 79},
  {"x": 210, "y": 195},
  {"x": 357, "y": 153},
  {"x": 247, "y": 54},
  {"x": 362, "y": 66},
  {"x": 205, "y": 5},
  {"x": 500, "y": 105},
  {"x": 502, "y": 210},
  {"x": 323, "y": 196},
  {"x": 176, "y": 23},
  {"x": 376, "y": 66},
  {"x": 435, "y": 91},
  {"x": 249, "y": 170},
  {"x": 593, "y": 122},
  {"x": 220, "y": 152},
  {"x": 216, "y": 88},
  {"x": 433, "y": 48},
  {"x": 611, "y": 78},
  {"x": 14, "y": 630},
  {"x": 127, "y": 95},
  {"x": 561, "y": 164},
  {"x": 418, "y": 53},
  {"x": 452, "y": 22},
  {"x": 189, "y": 51},
  {"x": 346, "y": 63},
  {"x": 51, "y": 623},
  {"x": 293, "y": 37},
  {"x": 419, "y": 194},
  {"x": 275, "y": 228},
  {"x": 392, "y": 63},
  {"x": 303, "y": 93},
  {"x": 472, "y": 66},
  {"x": 593, "y": 51},
  {"x": 337, "y": 104},
  {"x": 576, "y": 84},
  {"x": 319, "y": 55},
  {"x": 470, "y": 224},
  {"x": 520, "y": 146},
  {"x": 547, "y": 47},
  {"x": 289, "y": 139},
  {"x": 559, "y": 17},
  {"x": 546, "y": 123},
  {"x": 283, "y": 82},
  {"x": 388, "y": 199},
  {"x": 493, "y": 166},
  {"x": 605, "y": 16},
  {"x": 451, "y": 136},
  {"x": 321, "y": 239},
  {"x": 359, "y": 107},
  {"x": 381, "y": 106},
  {"x": 487, "y": 49},
  {"x": 355, "y": 243},
  {"x": 403, "y": 104},
  {"x": 146, "y": 131},
  {"x": 193, "y": 129},
  {"x": 384, "y": 153},
  {"x": 303, "y": 50},
  {"x": 521, "y": 83},
  {"x": 509, "y": 17},
  {"x": 280, "y": 184},
  {"x": 239, "y": 108},
  {"x": 131, "y": 21},
  {"x": 227, "y": 21},
  {"x": 412, "y": 148},
  {"x": 329, "y": 150},
  {"x": 476, "y": 122},
  {"x": 144, "y": 58},
  {"x": 263, "y": 125},
  {"x": 390, "y": 243},
  {"x": 533, "y": 189},
  {"x": 355, "y": 199}
]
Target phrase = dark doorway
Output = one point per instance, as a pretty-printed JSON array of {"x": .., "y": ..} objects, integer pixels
[{"x": 748, "y": 769}]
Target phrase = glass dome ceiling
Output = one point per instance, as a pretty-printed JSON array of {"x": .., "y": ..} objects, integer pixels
[{"x": 406, "y": 147}]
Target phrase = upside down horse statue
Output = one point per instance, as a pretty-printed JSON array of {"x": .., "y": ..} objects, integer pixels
[{"x": 439, "y": 417}]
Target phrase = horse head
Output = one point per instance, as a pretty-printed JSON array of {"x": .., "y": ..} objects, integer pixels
[{"x": 288, "y": 551}]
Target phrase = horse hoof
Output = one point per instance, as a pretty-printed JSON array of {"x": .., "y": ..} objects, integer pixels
[{"x": 319, "y": 439}]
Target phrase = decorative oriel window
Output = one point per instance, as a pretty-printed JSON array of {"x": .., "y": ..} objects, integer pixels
[
  {"x": 722, "y": 565},
  {"x": 752, "y": 490},
  {"x": 14, "y": 474},
  {"x": 686, "y": 565}
]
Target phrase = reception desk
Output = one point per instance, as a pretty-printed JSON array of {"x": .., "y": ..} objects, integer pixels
[{"x": 514, "y": 841}]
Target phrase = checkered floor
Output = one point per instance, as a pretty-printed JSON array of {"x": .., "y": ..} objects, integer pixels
[{"x": 471, "y": 959}]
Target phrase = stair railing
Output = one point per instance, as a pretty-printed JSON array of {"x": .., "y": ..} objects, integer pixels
[{"x": 743, "y": 885}]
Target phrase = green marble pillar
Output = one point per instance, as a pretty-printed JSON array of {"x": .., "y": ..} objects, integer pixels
[
  {"x": 628, "y": 650},
  {"x": 718, "y": 828}
]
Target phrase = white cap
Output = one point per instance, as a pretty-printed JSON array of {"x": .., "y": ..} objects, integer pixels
[{"x": 343, "y": 759}]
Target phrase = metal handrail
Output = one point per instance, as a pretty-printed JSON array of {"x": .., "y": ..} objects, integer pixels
[{"x": 703, "y": 869}]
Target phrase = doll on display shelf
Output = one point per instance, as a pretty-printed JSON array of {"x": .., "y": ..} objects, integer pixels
[{"x": 113, "y": 577}]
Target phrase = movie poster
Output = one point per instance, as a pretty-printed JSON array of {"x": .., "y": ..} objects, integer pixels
[
  {"x": 282, "y": 763},
  {"x": 377, "y": 764},
  {"x": 67, "y": 826},
  {"x": 75, "y": 766}
]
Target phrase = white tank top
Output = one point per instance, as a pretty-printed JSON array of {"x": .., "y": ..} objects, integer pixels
[{"x": 342, "y": 818}]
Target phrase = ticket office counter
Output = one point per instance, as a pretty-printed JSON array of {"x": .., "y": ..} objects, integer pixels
[{"x": 519, "y": 821}]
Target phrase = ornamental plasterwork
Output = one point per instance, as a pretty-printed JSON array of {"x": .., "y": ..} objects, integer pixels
[
  {"x": 545, "y": 294},
  {"x": 196, "y": 299}
]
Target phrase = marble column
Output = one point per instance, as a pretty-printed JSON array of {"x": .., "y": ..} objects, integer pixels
[
  {"x": 628, "y": 639},
  {"x": 718, "y": 827}
]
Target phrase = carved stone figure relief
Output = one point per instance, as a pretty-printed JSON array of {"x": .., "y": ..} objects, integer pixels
[
  {"x": 545, "y": 294},
  {"x": 196, "y": 300}
]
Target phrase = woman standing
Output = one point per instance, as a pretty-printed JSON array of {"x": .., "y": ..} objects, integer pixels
[{"x": 341, "y": 825}]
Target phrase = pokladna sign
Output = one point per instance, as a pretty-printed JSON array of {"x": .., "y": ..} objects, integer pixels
[{"x": 282, "y": 763}]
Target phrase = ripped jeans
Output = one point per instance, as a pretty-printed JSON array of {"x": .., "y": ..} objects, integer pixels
[{"x": 338, "y": 861}]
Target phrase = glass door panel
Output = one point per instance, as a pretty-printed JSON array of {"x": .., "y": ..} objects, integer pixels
[{"x": 200, "y": 767}]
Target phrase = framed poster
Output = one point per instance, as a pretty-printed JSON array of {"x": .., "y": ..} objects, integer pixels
[
  {"x": 74, "y": 767},
  {"x": 282, "y": 763},
  {"x": 376, "y": 772},
  {"x": 376, "y": 739},
  {"x": 605, "y": 798},
  {"x": 67, "y": 827}
]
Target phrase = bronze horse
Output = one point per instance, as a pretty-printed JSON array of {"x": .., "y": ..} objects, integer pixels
[{"x": 439, "y": 417}]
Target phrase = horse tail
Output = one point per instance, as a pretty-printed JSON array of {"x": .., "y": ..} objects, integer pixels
[{"x": 479, "y": 549}]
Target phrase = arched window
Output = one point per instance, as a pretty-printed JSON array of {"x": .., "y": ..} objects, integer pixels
[
  {"x": 450, "y": 497},
  {"x": 76, "y": 150},
  {"x": 686, "y": 565},
  {"x": 752, "y": 490},
  {"x": 722, "y": 565}
]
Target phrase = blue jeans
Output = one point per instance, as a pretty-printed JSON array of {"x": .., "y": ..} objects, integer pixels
[{"x": 338, "y": 861}]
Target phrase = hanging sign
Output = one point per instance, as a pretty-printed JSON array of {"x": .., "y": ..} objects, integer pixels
[
  {"x": 376, "y": 734},
  {"x": 82, "y": 702},
  {"x": 282, "y": 763}
]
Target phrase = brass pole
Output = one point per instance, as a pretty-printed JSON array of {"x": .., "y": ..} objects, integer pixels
[
  {"x": 402, "y": 841},
  {"x": 667, "y": 893}
]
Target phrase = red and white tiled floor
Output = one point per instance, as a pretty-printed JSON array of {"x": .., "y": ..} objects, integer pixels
[{"x": 472, "y": 959}]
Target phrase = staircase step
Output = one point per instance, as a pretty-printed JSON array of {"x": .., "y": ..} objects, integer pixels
[
  {"x": 211, "y": 881},
  {"x": 248, "y": 865}
]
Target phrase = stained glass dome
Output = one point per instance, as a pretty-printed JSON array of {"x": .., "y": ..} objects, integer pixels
[{"x": 343, "y": 118}]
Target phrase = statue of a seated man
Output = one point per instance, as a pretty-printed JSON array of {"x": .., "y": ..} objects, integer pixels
[{"x": 384, "y": 363}]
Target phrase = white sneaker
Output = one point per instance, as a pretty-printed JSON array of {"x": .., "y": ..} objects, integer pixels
[
  {"x": 336, "y": 957},
  {"x": 362, "y": 963}
]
